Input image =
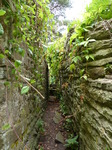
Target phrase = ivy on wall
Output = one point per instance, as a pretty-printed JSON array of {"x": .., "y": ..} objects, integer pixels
[{"x": 29, "y": 23}]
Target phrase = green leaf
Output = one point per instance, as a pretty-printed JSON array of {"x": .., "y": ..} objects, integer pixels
[
  {"x": 72, "y": 142},
  {"x": 87, "y": 57},
  {"x": 81, "y": 72},
  {"x": 2, "y": 12},
  {"x": 86, "y": 30},
  {"x": 74, "y": 35},
  {"x": 2, "y": 56},
  {"x": 83, "y": 43},
  {"x": 72, "y": 67},
  {"x": 21, "y": 51},
  {"x": 30, "y": 51},
  {"x": 41, "y": 15},
  {"x": 25, "y": 89},
  {"x": 17, "y": 63},
  {"x": 91, "y": 56},
  {"x": 13, "y": 71},
  {"x": 6, "y": 127},
  {"x": 75, "y": 59},
  {"x": 85, "y": 77},
  {"x": 1, "y": 30},
  {"x": 7, "y": 51},
  {"x": 7, "y": 83},
  {"x": 32, "y": 81}
]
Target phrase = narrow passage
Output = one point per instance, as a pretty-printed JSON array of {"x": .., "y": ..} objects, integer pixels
[{"x": 55, "y": 135}]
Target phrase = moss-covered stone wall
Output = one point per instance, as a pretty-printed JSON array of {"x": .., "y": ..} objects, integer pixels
[
  {"x": 20, "y": 114},
  {"x": 90, "y": 101}
]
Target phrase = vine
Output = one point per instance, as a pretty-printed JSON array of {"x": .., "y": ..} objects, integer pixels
[
  {"x": 98, "y": 10},
  {"x": 28, "y": 23},
  {"x": 55, "y": 53}
]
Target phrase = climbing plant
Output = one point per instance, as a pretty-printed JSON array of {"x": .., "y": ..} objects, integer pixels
[
  {"x": 27, "y": 24},
  {"x": 30, "y": 23},
  {"x": 55, "y": 53},
  {"x": 98, "y": 10}
]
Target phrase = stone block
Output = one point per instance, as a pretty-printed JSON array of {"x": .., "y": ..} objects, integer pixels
[
  {"x": 2, "y": 73},
  {"x": 108, "y": 76},
  {"x": 104, "y": 53},
  {"x": 100, "y": 96},
  {"x": 99, "y": 63},
  {"x": 101, "y": 30},
  {"x": 99, "y": 35},
  {"x": 10, "y": 136},
  {"x": 104, "y": 84},
  {"x": 96, "y": 72},
  {"x": 2, "y": 91},
  {"x": 59, "y": 138},
  {"x": 2, "y": 62},
  {"x": 100, "y": 44}
]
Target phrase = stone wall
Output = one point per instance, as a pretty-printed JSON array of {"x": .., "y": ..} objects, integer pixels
[
  {"x": 90, "y": 101},
  {"x": 20, "y": 114}
]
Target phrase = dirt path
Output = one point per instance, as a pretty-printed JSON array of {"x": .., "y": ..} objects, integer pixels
[{"x": 48, "y": 140}]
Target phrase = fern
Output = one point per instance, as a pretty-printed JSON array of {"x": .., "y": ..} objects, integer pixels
[{"x": 72, "y": 143}]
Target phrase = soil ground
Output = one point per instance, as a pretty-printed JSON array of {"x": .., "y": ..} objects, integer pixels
[{"x": 47, "y": 141}]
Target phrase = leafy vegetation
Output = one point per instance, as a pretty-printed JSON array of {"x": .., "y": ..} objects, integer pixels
[
  {"x": 55, "y": 54},
  {"x": 40, "y": 125},
  {"x": 40, "y": 148},
  {"x": 63, "y": 107},
  {"x": 25, "y": 89},
  {"x": 98, "y": 10},
  {"x": 2, "y": 12},
  {"x": 30, "y": 26},
  {"x": 107, "y": 149},
  {"x": 6, "y": 127},
  {"x": 72, "y": 143}
]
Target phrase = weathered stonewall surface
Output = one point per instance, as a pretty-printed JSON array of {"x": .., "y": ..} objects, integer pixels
[
  {"x": 91, "y": 102},
  {"x": 19, "y": 113}
]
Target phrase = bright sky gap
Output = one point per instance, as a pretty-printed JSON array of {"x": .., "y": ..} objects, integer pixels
[{"x": 78, "y": 8}]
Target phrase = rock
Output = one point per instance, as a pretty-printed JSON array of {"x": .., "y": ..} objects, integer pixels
[
  {"x": 58, "y": 115},
  {"x": 99, "y": 35},
  {"x": 57, "y": 118},
  {"x": 56, "y": 121},
  {"x": 91, "y": 102},
  {"x": 100, "y": 96},
  {"x": 2, "y": 62},
  {"x": 100, "y": 44},
  {"x": 2, "y": 91},
  {"x": 100, "y": 30},
  {"x": 104, "y": 84},
  {"x": 96, "y": 72},
  {"x": 59, "y": 138},
  {"x": 108, "y": 76},
  {"x": 103, "y": 53},
  {"x": 99, "y": 63},
  {"x": 2, "y": 73}
]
